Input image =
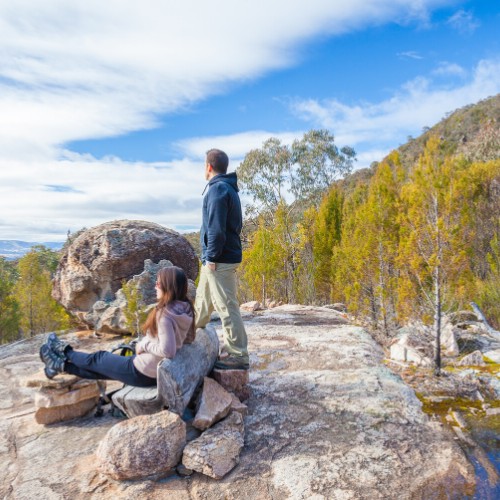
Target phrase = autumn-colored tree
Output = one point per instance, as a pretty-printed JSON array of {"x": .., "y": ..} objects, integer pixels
[
  {"x": 10, "y": 314},
  {"x": 364, "y": 264},
  {"x": 40, "y": 312},
  {"x": 434, "y": 243},
  {"x": 327, "y": 235}
]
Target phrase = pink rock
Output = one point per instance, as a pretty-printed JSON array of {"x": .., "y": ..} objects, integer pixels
[
  {"x": 232, "y": 380},
  {"x": 148, "y": 445},
  {"x": 56, "y": 414},
  {"x": 213, "y": 405},
  {"x": 237, "y": 405},
  {"x": 217, "y": 450},
  {"x": 272, "y": 304}
]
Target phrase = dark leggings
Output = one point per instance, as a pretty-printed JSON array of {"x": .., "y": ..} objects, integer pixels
[{"x": 104, "y": 365}]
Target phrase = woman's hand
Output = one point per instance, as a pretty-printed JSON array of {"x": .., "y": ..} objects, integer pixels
[{"x": 138, "y": 349}]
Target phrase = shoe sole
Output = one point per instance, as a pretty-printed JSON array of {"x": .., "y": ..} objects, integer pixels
[{"x": 227, "y": 367}]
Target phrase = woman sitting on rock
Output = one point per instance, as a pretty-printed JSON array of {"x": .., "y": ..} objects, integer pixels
[{"x": 167, "y": 327}]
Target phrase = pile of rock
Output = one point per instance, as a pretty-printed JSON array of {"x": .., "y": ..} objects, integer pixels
[
  {"x": 154, "y": 445},
  {"x": 62, "y": 398},
  {"x": 414, "y": 341}
]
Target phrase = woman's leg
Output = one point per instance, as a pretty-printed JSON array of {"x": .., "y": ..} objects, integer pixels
[
  {"x": 72, "y": 369},
  {"x": 109, "y": 366}
]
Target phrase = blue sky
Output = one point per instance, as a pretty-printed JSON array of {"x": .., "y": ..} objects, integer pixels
[{"x": 103, "y": 121}]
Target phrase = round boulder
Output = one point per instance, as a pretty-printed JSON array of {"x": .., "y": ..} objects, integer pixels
[{"x": 95, "y": 264}]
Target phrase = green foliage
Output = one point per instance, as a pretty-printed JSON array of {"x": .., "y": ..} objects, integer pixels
[
  {"x": 489, "y": 289},
  {"x": 10, "y": 314},
  {"x": 327, "y": 235},
  {"x": 47, "y": 258},
  {"x": 40, "y": 312},
  {"x": 135, "y": 310},
  {"x": 364, "y": 270},
  {"x": 320, "y": 163}
]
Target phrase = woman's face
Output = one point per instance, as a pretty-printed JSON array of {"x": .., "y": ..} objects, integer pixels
[{"x": 159, "y": 292}]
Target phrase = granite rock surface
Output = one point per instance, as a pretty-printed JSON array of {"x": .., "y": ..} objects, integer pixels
[{"x": 327, "y": 419}]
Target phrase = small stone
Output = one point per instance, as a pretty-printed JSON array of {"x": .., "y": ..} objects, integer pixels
[
  {"x": 473, "y": 359},
  {"x": 213, "y": 405},
  {"x": 272, "y": 304},
  {"x": 56, "y": 414},
  {"x": 237, "y": 405},
  {"x": 147, "y": 445},
  {"x": 217, "y": 450},
  {"x": 232, "y": 380},
  {"x": 39, "y": 379},
  {"x": 184, "y": 471},
  {"x": 49, "y": 398},
  {"x": 243, "y": 393},
  {"x": 398, "y": 352},
  {"x": 459, "y": 419},
  {"x": 492, "y": 411},
  {"x": 449, "y": 418},
  {"x": 251, "y": 306}
]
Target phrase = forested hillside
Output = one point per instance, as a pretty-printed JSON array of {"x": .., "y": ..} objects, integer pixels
[{"x": 413, "y": 237}]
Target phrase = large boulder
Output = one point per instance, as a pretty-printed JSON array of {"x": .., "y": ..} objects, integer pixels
[
  {"x": 149, "y": 445},
  {"x": 109, "y": 315},
  {"x": 95, "y": 264}
]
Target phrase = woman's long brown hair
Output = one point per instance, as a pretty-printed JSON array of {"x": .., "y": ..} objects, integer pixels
[{"x": 173, "y": 283}]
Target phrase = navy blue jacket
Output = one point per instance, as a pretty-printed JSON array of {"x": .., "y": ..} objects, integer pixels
[{"x": 222, "y": 221}]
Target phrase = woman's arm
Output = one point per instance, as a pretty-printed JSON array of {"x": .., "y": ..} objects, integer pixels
[{"x": 166, "y": 346}]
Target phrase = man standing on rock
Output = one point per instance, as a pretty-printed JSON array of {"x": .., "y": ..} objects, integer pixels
[{"x": 221, "y": 255}]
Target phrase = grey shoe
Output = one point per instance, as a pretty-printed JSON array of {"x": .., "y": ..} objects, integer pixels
[
  {"x": 231, "y": 363},
  {"x": 54, "y": 362},
  {"x": 56, "y": 345}
]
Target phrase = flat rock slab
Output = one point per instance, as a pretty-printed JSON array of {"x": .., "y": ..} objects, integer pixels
[
  {"x": 326, "y": 420},
  {"x": 50, "y": 398},
  {"x": 39, "y": 379},
  {"x": 56, "y": 414}
]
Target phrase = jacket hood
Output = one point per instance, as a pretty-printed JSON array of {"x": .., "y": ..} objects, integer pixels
[
  {"x": 180, "y": 312},
  {"x": 231, "y": 178}
]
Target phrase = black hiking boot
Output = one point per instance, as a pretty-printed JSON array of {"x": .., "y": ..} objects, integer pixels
[
  {"x": 56, "y": 345},
  {"x": 54, "y": 362},
  {"x": 231, "y": 363}
]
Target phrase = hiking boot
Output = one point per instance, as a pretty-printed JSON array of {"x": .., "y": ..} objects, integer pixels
[
  {"x": 56, "y": 345},
  {"x": 54, "y": 362},
  {"x": 231, "y": 363}
]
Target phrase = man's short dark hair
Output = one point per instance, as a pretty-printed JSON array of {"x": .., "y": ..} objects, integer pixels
[{"x": 218, "y": 159}]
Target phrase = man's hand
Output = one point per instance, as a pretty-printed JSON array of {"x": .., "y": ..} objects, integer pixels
[{"x": 211, "y": 266}]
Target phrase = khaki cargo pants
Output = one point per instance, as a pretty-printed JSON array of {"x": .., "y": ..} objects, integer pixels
[{"x": 217, "y": 290}]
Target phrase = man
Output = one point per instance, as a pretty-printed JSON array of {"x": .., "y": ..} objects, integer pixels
[{"x": 221, "y": 255}]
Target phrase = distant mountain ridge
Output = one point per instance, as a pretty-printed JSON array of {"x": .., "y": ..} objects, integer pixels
[{"x": 14, "y": 249}]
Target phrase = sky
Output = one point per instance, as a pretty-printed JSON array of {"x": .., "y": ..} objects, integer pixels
[{"x": 107, "y": 108}]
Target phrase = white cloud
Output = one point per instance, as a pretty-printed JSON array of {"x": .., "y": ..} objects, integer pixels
[
  {"x": 464, "y": 21},
  {"x": 447, "y": 69},
  {"x": 235, "y": 145},
  {"x": 409, "y": 55},
  {"x": 369, "y": 126},
  {"x": 92, "y": 69}
]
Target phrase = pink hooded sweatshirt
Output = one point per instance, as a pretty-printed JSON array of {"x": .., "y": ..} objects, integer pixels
[{"x": 173, "y": 325}]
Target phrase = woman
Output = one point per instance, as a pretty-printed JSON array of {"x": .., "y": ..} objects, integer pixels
[{"x": 167, "y": 327}]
